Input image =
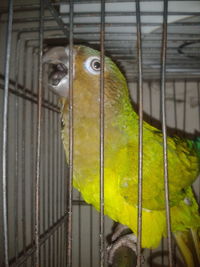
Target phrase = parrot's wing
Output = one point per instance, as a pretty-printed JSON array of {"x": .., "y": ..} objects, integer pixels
[
  {"x": 153, "y": 181},
  {"x": 182, "y": 162}
]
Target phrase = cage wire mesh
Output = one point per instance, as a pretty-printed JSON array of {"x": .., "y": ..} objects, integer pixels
[{"x": 34, "y": 172}]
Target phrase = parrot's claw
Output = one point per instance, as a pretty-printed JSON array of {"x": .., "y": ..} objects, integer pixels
[
  {"x": 128, "y": 240},
  {"x": 119, "y": 229}
]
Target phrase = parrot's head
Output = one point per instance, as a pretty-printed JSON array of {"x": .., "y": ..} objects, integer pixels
[{"x": 86, "y": 73}]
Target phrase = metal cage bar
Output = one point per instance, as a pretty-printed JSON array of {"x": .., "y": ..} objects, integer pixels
[
  {"x": 49, "y": 242},
  {"x": 39, "y": 125},
  {"x": 23, "y": 97},
  {"x": 140, "y": 134},
  {"x": 101, "y": 127},
  {"x": 71, "y": 140},
  {"x": 164, "y": 129},
  {"x": 5, "y": 132},
  {"x": 16, "y": 150}
]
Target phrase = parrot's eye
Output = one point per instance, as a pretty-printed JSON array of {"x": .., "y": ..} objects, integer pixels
[{"x": 93, "y": 65}]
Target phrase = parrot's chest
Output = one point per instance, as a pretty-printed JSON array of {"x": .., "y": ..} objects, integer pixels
[
  {"x": 114, "y": 204},
  {"x": 120, "y": 164}
]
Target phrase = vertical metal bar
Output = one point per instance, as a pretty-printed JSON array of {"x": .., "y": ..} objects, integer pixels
[
  {"x": 71, "y": 139},
  {"x": 151, "y": 114},
  {"x": 62, "y": 232},
  {"x": 150, "y": 101},
  {"x": 32, "y": 158},
  {"x": 64, "y": 184},
  {"x": 59, "y": 247},
  {"x": 175, "y": 124},
  {"x": 49, "y": 174},
  {"x": 44, "y": 184},
  {"x": 57, "y": 186},
  {"x": 60, "y": 195},
  {"x": 5, "y": 132},
  {"x": 53, "y": 187},
  {"x": 91, "y": 237},
  {"x": 184, "y": 107},
  {"x": 16, "y": 192},
  {"x": 49, "y": 183},
  {"x": 140, "y": 137},
  {"x": 53, "y": 183},
  {"x": 79, "y": 232},
  {"x": 164, "y": 128},
  {"x": 102, "y": 224},
  {"x": 175, "y": 105},
  {"x": 23, "y": 203},
  {"x": 39, "y": 124},
  {"x": 61, "y": 201},
  {"x": 198, "y": 97}
]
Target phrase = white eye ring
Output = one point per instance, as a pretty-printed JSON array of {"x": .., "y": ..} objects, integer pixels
[{"x": 93, "y": 65}]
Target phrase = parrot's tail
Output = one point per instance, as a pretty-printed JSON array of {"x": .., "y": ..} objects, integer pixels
[{"x": 189, "y": 245}]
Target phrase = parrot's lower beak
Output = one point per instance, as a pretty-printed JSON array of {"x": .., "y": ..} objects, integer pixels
[{"x": 58, "y": 59}]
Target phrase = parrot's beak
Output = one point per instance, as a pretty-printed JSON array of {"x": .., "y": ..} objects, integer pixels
[{"x": 58, "y": 59}]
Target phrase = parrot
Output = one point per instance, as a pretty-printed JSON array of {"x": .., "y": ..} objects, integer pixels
[{"x": 121, "y": 126}]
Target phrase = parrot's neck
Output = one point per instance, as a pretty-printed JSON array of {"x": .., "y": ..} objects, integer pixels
[
  {"x": 120, "y": 120},
  {"x": 120, "y": 128}
]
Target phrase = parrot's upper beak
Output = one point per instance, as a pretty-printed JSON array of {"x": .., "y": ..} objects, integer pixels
[{"x": 58, "y": 58}]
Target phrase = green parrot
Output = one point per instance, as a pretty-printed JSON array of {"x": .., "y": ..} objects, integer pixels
[{"x": 121, "y": 153}]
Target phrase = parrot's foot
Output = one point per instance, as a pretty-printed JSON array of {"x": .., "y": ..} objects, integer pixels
[{"x": 119, "y": 230}]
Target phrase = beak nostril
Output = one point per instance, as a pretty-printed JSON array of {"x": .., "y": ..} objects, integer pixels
[
  {"x": 56, "y": 77},
  {"x": 61, "y": 67}
]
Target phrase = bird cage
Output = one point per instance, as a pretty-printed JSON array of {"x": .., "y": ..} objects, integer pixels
[{"x": 156, "y": 44}]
